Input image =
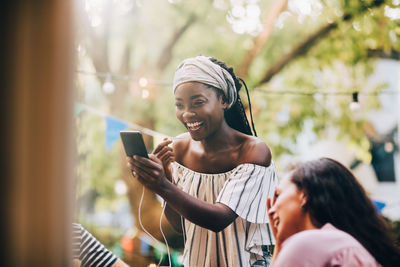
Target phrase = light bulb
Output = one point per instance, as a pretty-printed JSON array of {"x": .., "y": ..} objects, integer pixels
[
  {"x": 120, "y": 188},
  {"x": 108, "y": 87},
  {"x": 389, "y": 147},
  {"x": 355, "y": 106},
  {"x": 143, "y": 82},
  {"x": 145, "y": 94}
]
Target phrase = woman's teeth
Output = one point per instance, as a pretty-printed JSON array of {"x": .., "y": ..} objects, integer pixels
[{"x": 194, "y": 125}]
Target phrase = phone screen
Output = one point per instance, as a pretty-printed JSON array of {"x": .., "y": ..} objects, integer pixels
[{"x": 133, "y": 143}]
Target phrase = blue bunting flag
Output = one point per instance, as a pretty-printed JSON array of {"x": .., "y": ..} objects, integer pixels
[{"x": 113, "y": 127}]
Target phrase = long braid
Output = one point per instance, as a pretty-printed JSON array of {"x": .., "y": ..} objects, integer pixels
[
  {"x": 251, "y": 112},
  {"x": 236, "y": 115}
]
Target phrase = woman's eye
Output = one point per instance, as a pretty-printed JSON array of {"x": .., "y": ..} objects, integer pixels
[
  {"x": 178, "y": 105},
  {"x": 198, "y": 103}
]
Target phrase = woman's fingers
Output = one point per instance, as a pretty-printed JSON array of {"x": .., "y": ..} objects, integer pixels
[
  {"x": 162, "y": 145},
  {"x": 150, "y": 172},
  {"x": 152, "y": 166},
  {"x": 148, "y": 167},
  {"x": 129, "y": 159},
  {"x": 140, "y": 167},
  {"x": 164, "y": 151},
  {"x": 273, "y": 198},
  {"x": 155, "y": 160},
  {"x": 129, "y": 163},
  {"x": 152, "y": 162},
  {"x": 166, "y": 157},
  {"x": 270, "y": 216},
  {"x": 269, "y": 210},
  {"x": 145, "y": 179},
  {"x": 150, "y": 178}
]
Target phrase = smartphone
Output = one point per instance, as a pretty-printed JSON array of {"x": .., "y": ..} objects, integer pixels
[{"x": 133, "y": 143}]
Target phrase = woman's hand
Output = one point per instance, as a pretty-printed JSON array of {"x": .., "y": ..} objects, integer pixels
[
  {"x": 166, "y": 155},
  {"x": 270, "y": 203},
  {"x": 150, "y": 172},
  {"x": 274, "y": 230}
]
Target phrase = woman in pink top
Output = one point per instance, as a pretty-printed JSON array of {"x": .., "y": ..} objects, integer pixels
[{"x": 321, "y": 216}]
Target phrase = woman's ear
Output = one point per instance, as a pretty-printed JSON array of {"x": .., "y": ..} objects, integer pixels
[
  {"x": 224, "y": 102},
  {"x": 303, "y": 201}
]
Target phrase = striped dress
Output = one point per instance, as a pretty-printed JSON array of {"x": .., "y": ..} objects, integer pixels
[
  {"x": 245, "y": 190},
  {"x": 88, "y": 250}
]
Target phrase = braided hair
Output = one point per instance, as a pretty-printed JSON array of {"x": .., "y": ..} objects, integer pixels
[{"x": 236, "y": 115}]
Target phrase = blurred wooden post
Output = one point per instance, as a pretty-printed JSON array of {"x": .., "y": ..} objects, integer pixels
[{"x": 36, "y": 84}]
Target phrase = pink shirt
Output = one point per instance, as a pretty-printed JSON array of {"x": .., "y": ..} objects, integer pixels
[{"x": 326, "y": 247}]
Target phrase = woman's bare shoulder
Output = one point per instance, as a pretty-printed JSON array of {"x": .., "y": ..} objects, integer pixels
[
  {"x": 256, "y": 151},
  {"x": 181, "y": 139},
  {"x": 181, "y": 144}
]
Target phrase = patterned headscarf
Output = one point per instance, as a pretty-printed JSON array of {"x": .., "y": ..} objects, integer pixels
[{"x": 201, "y": 69}]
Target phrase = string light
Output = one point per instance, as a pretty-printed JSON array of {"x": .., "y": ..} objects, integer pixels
[
  {"x": 108, "y": 86},
  {"x": 322, "y": 92},
  {"x": 120, "y": 188},
  {"x": 355, "y": 104},
  {"x": 145, "y": 94},
  {"x": 262, "y": 90},
  {"x": 389, "y": 147},
  {"x": 124, "y": 77},
  {"x": 143, "y": 82}
]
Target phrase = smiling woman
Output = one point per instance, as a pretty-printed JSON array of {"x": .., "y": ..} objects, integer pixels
[
  {"x": 217, "y": 176},
  {"x": 321, "y": 216}
]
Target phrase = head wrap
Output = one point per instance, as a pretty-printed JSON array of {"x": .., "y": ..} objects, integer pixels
[{"x": 201, "y": 69}]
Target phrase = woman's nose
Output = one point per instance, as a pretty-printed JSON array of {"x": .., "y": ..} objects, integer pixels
[{"x": 188, "y": 114}]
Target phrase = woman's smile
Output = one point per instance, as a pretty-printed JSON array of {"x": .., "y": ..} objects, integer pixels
[
  {"x": 199, "y": 108},
  {"x": 194, "y": 126}
]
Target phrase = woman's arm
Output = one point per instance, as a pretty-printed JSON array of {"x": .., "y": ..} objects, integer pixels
[
  {"x": 150, "y": 173},
  {"x": 174, "y": 219},
  {"x": 215, "y": 217},
  {"x": 90, "y": 251},
  {"x": 166, "y": 155},
  {"x": 120, "y": 263}
]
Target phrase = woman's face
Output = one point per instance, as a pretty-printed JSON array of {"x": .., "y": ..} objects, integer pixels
[
  {"x": 287, "y": 215},
  {"x": 199, "y": 109}
]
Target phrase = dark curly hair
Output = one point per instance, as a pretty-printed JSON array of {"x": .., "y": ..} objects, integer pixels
[
  {"x": 335, "y": 196},
  {"x": 236, "y": 115}
]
